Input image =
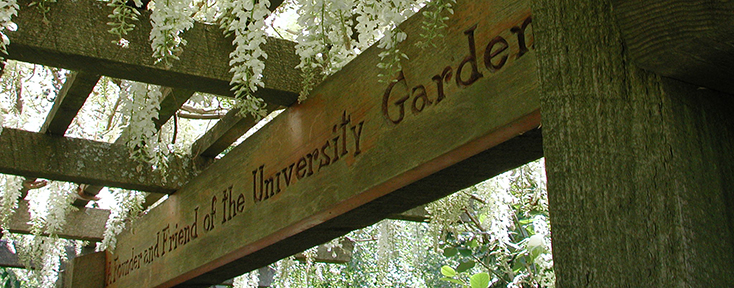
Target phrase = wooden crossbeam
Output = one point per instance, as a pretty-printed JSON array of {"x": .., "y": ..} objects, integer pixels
[
  {"x": 83, "y": 224},
  {"x": 220, "y": 137},
  {"x": 37, "y": 155},
  {"x": 73, "y": 35},
  {"x": 71, "y": 97},
  {"x": 356, "y": 152},
  {"x": 686, "y": 40}
]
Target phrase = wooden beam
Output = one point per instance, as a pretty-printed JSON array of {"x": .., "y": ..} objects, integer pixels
[
  {"x": 227, "y": 130},
  {"x": 172, "y": 101},
  {"x": 83, "y": 224},
  {"x": 73, "y": 35},
  {"x": 687, "y": 40},
  {"x": 38, "y": 155},
  {"x": 71, "y": 97},
  {"x": 8, "y": 258},
  {"x": 86, "y": 271},
  {"x": 417, "y": 214},
  {"x": 356, "y": 152}
]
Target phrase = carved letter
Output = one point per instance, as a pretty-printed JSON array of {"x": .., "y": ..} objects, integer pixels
[
  {"x": 357, "y": 132},
  {"x": 400, "y": 102},
  {"x": 327, "y": 160},
  {"x": 301, "y": 168},
  {"x": 439, "y": 79},
  {"x": 287, "y": 175},
  {"x": 489, "y": 54},
  {"x": 346, "y": 119},
  {"x": 470, "y": 59},
  {"x": 520, "y": 31},
  {"x": 421, "y": 95}
]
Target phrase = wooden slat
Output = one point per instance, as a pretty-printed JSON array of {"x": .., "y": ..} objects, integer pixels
[
  {"x": 83, "y": 224},
  {"x": 37, "y": 155},
  {"x": 688, "y": 40},
  {"x": 172, "y": 101},
  {"x": 73, "y": 35},
  {"x": 227, "y": 130},
  {"x": 379, "y": 162},
  {"x": 71, "y": 97}
]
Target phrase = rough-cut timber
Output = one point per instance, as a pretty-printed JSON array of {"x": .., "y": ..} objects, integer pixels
[
  {"x": 173, "y": 99},
  {"x": 689, "y": 40},
  {"x": 71, "y": 97},
  {"x": 227, "y": 130},
  {"x": 83, "y": 224},
  {"x": 39, "y": 155},
  {"x": 356, "y": 152},
  {"x": 8, "y": 258},
  {"x": 75, "y": 37},
  {"x": 85, "y": 271},
  {"x": 639, "y": 167}
]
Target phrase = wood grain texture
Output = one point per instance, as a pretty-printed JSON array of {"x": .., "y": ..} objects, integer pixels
[
  {"x": 8, "y": 258},
  {"x": 227, "y": 130},
  {"x": 639, "y": 166},
  {"x": 378, "y": 166},
  {"x": 76, "y": 38},
  {"x": 39, "y": 155},
  {"x": 85, "y": 271},
  {"x": 683, "y": 39},
  {"x": 71, "y": 97},
  {"x": 83, "y": 224}
]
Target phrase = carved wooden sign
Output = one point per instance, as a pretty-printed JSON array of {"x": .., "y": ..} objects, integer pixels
[{"x": 355, "y": 140}]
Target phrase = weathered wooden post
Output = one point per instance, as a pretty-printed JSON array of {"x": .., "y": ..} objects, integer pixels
[{"x": 639, "y": 166}]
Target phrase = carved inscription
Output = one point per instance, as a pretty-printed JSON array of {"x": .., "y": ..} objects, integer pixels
[
  {"x": 495, "y": 56},
  {"x": 343, "y": 140},
  {"x": 479, "y": 57}
]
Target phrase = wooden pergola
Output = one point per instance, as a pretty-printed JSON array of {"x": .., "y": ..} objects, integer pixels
[{"x": 634, "y": 101}]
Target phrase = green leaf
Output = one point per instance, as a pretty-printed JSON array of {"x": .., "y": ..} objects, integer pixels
[
  {"x": 450, "y": 252},
  {"x": 465, "y": 266},
  {"x": 452, "y": 280},
  {"x": 479, "y": 280},
  {"x": 465, "y": 252},
  {"x": 473, "y": 243},
  {"x": 448, "y": 271}
]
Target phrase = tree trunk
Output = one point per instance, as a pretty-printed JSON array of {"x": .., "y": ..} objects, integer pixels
[{"x": 639, "y": 167}]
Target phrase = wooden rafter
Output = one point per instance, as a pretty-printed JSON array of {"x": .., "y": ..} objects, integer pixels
[
  {"x": 227, "y": 130},
  {"x": 71, "y": 97},
  {"x": 37, "y": 155},
  {"x": 83, "y": 43},
  {"x": 82, "y": 224}
]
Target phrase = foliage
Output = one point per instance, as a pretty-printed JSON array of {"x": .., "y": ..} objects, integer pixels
[
  {"x": 246, "y": 20},
  {"x": 504, "y": 233},
  {"x": 494, "y": 233}
]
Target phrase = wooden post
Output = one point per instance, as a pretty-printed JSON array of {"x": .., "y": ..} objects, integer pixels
[{"x": 640, "y": 173}]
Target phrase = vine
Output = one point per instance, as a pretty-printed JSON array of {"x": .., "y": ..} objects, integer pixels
[
  {"x": 246, "y": 21},
  {"x": 169, "y": 18},
  {"x": 123, "y": 18},
  {"x": 8, "y": 9}
]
